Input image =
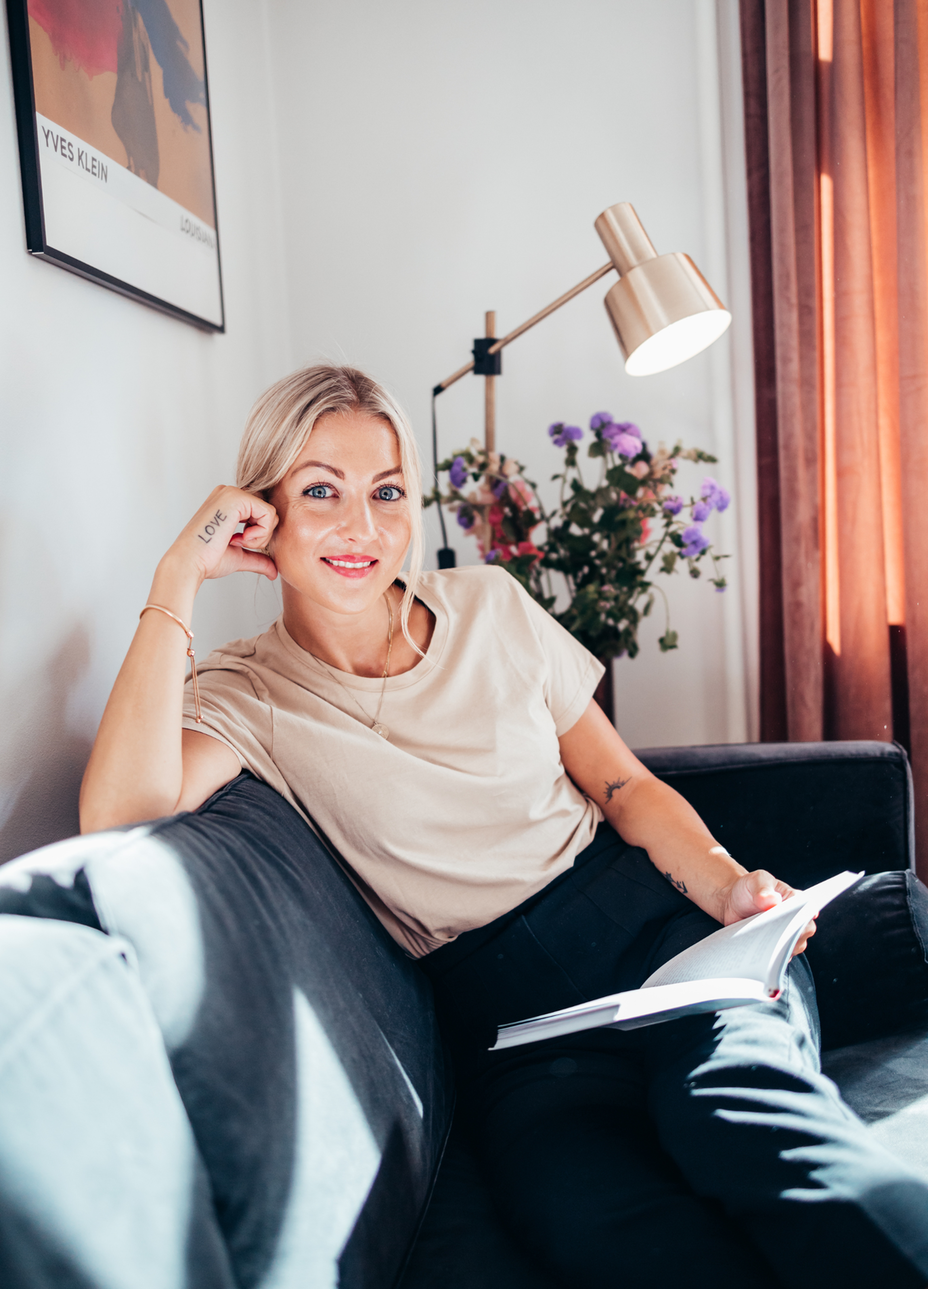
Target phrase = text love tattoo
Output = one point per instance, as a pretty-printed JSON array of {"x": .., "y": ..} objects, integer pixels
[
  {"x": 612, "y": 788},
  {"x": 210, "y": 528}
]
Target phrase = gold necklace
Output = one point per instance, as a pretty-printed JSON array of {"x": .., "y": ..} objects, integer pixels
[{"x": 376, "y": 726}]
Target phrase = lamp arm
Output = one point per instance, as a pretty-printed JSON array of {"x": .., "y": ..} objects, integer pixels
[{"x": 538, "y": 317}]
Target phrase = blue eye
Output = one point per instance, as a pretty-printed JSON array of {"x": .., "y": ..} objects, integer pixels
[
  {"x": 389, "y": 493},
  {"x": 318, "y": 491}
]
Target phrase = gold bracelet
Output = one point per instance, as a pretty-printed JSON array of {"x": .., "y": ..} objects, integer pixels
[{"x": 190, "y": 655}]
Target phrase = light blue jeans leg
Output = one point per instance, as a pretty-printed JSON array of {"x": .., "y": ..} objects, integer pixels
[{"x": 100, "y": 1179}]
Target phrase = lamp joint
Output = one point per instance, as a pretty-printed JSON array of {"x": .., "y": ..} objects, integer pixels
[{"x": 485, "y": 363}]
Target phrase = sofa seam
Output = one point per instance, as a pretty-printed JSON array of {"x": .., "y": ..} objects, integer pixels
[{"x": 769, "y": 765}]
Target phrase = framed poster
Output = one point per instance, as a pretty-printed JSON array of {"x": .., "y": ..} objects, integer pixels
[{"x": 112, "y": 111}]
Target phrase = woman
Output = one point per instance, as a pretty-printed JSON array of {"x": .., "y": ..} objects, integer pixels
[{"x": 440, "y": 728}]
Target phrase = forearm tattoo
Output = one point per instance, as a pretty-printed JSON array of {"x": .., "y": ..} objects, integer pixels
[
  {"x": 681, "y": 886},
  {"x": 612, "y": 788},
  {"x": 210, "y": 529}
]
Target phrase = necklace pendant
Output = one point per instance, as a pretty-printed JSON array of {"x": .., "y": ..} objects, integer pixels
[{"x": 381, "y": 730}]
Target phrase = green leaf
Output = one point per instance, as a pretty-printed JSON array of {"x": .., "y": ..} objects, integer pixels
[{"x": 669, "y": 640}]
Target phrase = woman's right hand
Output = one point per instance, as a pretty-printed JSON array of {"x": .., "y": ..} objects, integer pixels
[
  {"x": 209, "y": 546},
  {"x": 138, "y": 768}
]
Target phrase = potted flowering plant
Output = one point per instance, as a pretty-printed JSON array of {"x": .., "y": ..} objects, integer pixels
[{"x": 607, "y": 539}]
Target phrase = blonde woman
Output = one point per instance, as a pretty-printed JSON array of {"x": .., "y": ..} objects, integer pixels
[{"x": 440, "y": 728}]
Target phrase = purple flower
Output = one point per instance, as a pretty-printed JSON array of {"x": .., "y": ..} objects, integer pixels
[
  {"x": 717, "y": 497},
  {"x": 600, "y": 420},
  {"x": 499, "y": 488},
  {"x": 490, "y": 556},
  {"x": 626, "y": 445},
  {"x": 625, "y": 439},
  {"x": 701, "y": 511},
  {"x": 458, "y": 472},
  {"x": 564, "y": 434},
  {"x": 694, "y": 541},
  {"x": 673, "y": 505},
  {"x": 465, "y": 517}
]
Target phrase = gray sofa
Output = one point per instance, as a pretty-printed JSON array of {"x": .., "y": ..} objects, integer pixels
[{"x": 217, "y": 1069}]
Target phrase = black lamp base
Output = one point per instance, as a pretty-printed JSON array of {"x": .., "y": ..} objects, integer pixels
[{"x": 447, "y": 558}]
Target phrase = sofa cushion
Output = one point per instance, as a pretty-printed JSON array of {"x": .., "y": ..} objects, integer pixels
[
  {"x": 869, "y": 957},
  {"x": 886, "y": 1082},
  {"x": 301, "y": 1037},
  {"x": 462, "y": 1243},
  {"x": 39, "y": 895}
]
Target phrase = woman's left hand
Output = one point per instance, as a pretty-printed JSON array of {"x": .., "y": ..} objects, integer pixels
[{"x": 754, "y": 893}]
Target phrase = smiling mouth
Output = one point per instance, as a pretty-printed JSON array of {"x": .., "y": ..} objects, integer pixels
[{"x": 349, "y": 566}]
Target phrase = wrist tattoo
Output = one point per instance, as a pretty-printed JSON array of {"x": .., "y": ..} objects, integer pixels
[
  {"x": 681, "y": 886},
  {"x": 612, "y": 788},
  {"x": 210, "y": 528}
]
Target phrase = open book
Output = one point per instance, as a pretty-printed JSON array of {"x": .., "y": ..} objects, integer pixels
[{"x": 742, "y": 963}]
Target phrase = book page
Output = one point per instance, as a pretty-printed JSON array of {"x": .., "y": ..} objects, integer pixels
[
  {"x": 758, "y": 947},
  {"x": 667, "y": 1002},
  {"x": 632, "y": 1009}
]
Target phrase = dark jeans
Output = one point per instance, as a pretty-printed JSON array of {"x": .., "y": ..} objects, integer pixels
[{"x": 705, "y": 1151}]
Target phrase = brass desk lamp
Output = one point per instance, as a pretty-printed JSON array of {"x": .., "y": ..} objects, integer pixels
[{"x": 662, "y": 309}]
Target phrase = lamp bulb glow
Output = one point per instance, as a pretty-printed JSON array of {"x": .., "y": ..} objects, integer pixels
[{"x": 677, "y": 342}]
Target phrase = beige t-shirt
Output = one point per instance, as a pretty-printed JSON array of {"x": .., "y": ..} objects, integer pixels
[{"x": 466, "y": 810}]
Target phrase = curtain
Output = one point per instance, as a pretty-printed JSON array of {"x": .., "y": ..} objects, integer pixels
[{"x": 836, "y": 119}]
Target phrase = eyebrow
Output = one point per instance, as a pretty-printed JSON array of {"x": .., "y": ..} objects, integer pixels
[{"x": 339, "y": 474}]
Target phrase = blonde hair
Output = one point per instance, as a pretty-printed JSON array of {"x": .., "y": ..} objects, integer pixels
[{"x": 283, "y": 418}]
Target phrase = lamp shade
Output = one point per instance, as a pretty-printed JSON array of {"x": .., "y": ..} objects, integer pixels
[{"x": 662, "y": 308}]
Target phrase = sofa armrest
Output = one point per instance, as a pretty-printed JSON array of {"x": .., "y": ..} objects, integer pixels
[
  {"x": 802, "y": 810},
  {"x": 302, "y": 1039}
]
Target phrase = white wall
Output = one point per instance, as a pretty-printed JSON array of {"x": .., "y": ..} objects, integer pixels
[
  {"x": 440, "y": 160},
  {"x": 435, "y": 160},
  {"x": 116, "y": 421}
]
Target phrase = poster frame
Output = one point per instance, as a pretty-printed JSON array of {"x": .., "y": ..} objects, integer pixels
[{"x": 30, "y": 169}]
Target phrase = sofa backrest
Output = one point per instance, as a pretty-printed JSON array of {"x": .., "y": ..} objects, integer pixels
[{"x": 804, "y": 811}]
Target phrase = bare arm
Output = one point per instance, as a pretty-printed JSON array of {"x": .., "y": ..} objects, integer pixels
[
  {"x": 650, "y": 814},
  {"x": 143, "y": 765}
]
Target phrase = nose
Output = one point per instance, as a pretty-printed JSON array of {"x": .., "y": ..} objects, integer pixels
[{"x": 357, "y": 519}]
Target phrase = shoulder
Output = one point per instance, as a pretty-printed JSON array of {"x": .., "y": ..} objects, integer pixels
[
  {"x": 489, "y": 597},
  {"x": 474, "y": 586},
  {"x": 487, "y": 601}
]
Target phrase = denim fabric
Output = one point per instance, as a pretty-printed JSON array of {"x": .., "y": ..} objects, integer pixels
[
  {"x": 704, "y": 1151},
  {"x": 101, "y": 1183}
]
